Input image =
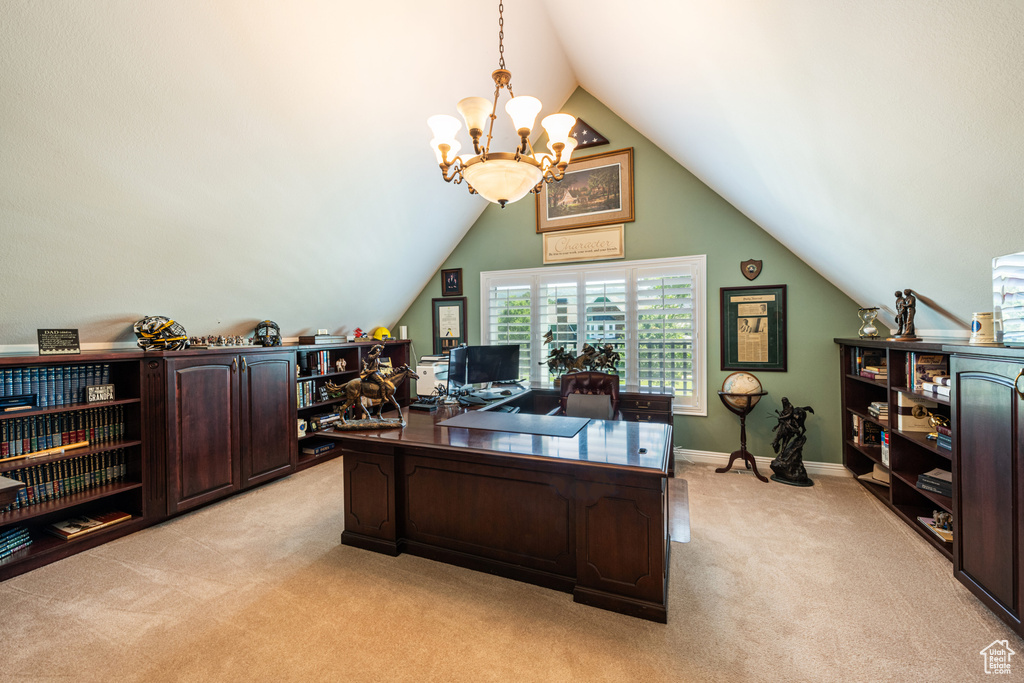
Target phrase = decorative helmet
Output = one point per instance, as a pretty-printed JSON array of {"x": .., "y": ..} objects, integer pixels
[
  {"x": 267, "y": 333},
  {"x": 381, "y": 333},
  {"x": 158, "y": 333}
]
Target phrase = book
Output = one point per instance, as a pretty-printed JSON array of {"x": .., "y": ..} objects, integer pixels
[
  {"x": 323, "y": 339},
  {"x": 942, "y": 390},
  {"x": 943, "y": 534},
  {"x": 76, "y": 527},
  {"x": 877, "y": 376},
  {"x": 909, "y": 404},
  {"x": 938, "y": 475},
  {"x": 931, "y": 487},
  {"x": 944, "y": 442},
  {"x": 318, "y": 450},
  {"x": 885, "y": 448},
  {"x": 870, "y": 434},
  {"x": 928, "y": 366}
]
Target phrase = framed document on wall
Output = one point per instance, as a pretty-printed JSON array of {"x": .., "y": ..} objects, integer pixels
[
  {"x": 449, "y": 323},
  {"x": 754, "y": 328}
]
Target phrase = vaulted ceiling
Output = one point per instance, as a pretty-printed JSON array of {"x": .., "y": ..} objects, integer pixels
[{"x": 211, "y": 152}]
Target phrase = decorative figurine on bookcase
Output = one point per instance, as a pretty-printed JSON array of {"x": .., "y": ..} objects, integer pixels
[
  {"x": 158, "y": 333},
  {"x": 906, "y": 308},
  {"x": 340, "y": 364},
  {"x": 943, "y": 520},
  {"x": 790, "y": 437},
  {"x": 268, "y": 333}
]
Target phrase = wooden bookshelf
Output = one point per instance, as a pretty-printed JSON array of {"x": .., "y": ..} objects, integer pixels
[
  {"x": 910, "y": 453},
  {"x": 79, "y": 481}
]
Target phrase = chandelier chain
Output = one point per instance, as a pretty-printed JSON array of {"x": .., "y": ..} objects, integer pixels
[{"x": 501, "y": 36}]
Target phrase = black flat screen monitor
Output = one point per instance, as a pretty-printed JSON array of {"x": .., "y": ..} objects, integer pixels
[
  {"x": 456, "y": 369},
  {"x": 492, "y": 363}
]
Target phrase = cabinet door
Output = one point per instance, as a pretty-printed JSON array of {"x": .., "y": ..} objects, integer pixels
[
  {"x": 989, "y": 474},
  {"x": 202, "y": 441},
  {"x": 269, "y": 436}
]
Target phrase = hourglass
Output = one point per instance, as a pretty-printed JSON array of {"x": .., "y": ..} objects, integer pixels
[{"x": 867, "y": 319}]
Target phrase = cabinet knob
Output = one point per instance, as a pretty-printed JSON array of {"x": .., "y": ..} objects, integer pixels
[{"x": 1016, "y": 383}]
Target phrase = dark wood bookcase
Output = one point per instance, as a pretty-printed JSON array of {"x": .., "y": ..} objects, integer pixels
[
  {"x": 910, "y": 453},
  {"x": 71, "y": 483}
]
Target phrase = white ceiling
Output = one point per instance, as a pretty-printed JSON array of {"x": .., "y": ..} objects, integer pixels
[{"x": 252, "y": 137}]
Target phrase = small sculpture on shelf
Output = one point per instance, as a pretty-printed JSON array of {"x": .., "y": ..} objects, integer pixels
[
  {"x": 943, "y": 520},
  {"x": 906, "y": 308},
  {"x": 340, "y": 364},
  {"x": 790, "y": 437}
]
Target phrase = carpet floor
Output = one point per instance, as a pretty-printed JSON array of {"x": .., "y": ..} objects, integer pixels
[{"x": 776, "y": 584}]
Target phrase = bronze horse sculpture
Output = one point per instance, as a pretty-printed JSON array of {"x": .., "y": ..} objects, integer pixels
[{"x": 355, "y": 389}]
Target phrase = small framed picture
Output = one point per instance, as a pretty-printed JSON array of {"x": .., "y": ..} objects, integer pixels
[{"x": 451, "y": 282}]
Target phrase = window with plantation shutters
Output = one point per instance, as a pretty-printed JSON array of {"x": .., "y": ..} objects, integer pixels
[
  {"x": 508, "y": 320},
  {"x": 650, "y": 312}
]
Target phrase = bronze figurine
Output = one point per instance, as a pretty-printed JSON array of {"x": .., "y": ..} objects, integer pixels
[{"x": 790, "y": 438}]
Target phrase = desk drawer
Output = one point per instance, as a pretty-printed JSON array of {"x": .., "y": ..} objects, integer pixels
[
  {"x": 644, "y": 404},
  {"x": 646, "y": 416}
]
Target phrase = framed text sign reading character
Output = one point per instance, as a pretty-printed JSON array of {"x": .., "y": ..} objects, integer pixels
[
  {"x": 449, "y": 323},
  {"x": 596, "y": 190},
  {"x": 754, "y": 328}
]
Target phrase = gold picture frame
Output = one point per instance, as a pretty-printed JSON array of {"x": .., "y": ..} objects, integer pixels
[{"x": 596, "y": 190}]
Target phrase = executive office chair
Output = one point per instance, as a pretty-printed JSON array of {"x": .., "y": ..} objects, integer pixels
[{"x": 581, "y": 392}]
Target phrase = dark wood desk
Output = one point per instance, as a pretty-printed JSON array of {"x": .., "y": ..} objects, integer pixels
[{"x": 586, "y": 515}]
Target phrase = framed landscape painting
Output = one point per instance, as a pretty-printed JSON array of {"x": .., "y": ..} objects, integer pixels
[{"x": 596, "y": 190}]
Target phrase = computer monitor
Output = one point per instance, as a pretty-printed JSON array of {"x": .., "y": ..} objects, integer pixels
[
  {"x": 456, "y": 369},
  {"x": 499, "y": 363}
]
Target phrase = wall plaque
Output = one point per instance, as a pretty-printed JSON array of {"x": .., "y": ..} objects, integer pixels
[
  {"x": 58, "y": 342},
  {"x": 585, "y": 244}
]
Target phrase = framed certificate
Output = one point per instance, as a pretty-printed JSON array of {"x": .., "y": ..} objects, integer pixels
[
  {"x": 449, "y": 323},
  {"x": 754, "y": 328}
]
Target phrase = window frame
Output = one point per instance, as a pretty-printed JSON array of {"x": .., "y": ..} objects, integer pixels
[{"x": 538, "y": 277}]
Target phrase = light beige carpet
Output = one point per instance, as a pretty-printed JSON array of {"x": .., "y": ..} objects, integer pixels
[{"x": 777, "y": 584}]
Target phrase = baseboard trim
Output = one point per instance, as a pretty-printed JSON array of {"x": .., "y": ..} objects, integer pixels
[{"x": 830, "y": 469}]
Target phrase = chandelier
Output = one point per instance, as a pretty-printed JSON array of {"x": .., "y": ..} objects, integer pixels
[{"x": 502, "y": 177}]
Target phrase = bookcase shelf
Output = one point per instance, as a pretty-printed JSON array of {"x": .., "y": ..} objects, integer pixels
[
  {"x": 910, "y": 453},
  {"x": 65, "y": 502},
  {"x": 72, "y": 407},
  {"x": 13, "y": 465}
]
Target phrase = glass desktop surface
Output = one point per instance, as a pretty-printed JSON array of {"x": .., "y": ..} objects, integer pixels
[{"x": 600, "y": 442}]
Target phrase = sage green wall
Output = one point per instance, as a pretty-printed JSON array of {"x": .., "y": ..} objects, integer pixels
[{"x": 678, "y": 215}]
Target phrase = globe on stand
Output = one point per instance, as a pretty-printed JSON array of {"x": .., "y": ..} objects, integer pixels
[{"x": 740, "y": 393}]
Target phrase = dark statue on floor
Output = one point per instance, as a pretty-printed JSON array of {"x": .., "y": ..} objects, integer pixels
[{"x": 790, "y": 437}]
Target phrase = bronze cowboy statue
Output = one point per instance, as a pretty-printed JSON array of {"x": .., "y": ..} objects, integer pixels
[{"x": 371, "y": 384}]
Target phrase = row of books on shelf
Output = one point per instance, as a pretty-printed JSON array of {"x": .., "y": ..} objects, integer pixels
[
  {"x": 870, "y": 363},
  {"x": 54, "y": 480},
  {"x": 879, "y": 409},
  {"x": 938, "y": 481},
  {"x": 308, "y": 394},
  {"x": 98, "y": 426},
  {"x": 928, "y": 373},
  {"x": 14, "y": 539},
  {"x": 54, "y": 386},
  {"x": 318, "y": 363},
  {"x": 865, "y": 432}
]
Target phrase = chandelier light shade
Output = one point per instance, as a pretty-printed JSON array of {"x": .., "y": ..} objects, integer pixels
[{"x": 502, "y": 177}]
